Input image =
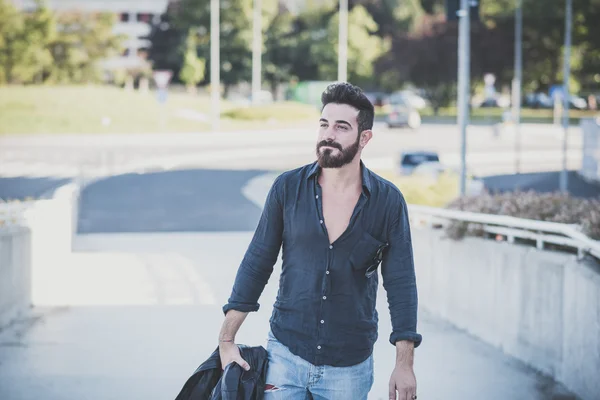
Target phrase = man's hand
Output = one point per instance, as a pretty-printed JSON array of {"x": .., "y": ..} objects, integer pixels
[
  {"x": 404, "y": 382},
  {"x": 229, "y": 352},
  {"x": 403, "y": 378}
]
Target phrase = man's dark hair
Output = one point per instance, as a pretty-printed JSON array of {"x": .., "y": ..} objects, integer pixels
[{"x": 345, "y": 93}]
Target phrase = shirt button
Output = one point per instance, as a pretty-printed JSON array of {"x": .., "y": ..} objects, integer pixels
[
  {"x": 327, "y": 272},
  {"x": 317, "y": 196},
  {"x": 318, "y": 347},
  {"x": 321, "y": 221},
  {"x": 324, "y": 297},
  {"x": 322, "y": 321},
  {"x": 330, "y": 247}
]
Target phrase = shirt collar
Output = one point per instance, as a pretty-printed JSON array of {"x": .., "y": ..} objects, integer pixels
[{"x": 366, "y": 178}]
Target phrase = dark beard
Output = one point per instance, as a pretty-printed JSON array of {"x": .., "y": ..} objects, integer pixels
[{"x": 326, "y": 160}]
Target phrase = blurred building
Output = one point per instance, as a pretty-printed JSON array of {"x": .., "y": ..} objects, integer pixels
[{"x": 136, "y": 18}]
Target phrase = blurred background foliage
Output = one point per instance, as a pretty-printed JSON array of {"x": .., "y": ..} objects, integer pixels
[
  {"x": 48, "y": 47},
  {"x": 393, "y": 44}
]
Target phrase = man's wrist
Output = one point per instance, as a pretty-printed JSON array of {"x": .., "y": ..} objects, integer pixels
[
  {"x": 225, "y": 338},
  {"x": 405, "y": 353}
]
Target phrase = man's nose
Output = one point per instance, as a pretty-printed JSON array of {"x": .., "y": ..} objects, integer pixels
[{"x": 330, "y": 134}]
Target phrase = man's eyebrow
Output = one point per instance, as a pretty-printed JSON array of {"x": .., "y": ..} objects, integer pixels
[{"x": 339, "y": 121}]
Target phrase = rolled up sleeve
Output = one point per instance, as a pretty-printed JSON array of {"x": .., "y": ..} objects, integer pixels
[
  {"x": 257, "y": 265},
  {"x": 399, "y": 279}
]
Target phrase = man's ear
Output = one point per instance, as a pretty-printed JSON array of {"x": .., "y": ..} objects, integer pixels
[{"x": 365, "y": 136}]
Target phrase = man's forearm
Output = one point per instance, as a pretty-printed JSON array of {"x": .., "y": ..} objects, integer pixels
[
  {"x": 231, "y": 325},
  {"x": 405, "y": 351}
]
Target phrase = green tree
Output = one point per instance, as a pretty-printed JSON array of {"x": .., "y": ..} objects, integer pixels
[
  {"x": 427, "y": 58},
  {"x": 364, "y": 47},
  {"x": 316, "y": 47},
  {"x": 44, "y": 46},
  {"x": 166, "y": 41},
  {"x": 23, "y": 42},
  {"x": 543, "y": 39},
  {"x": 235, "y": 34},
  {"x": 193, "y": 69},
  {"x": 82, "y": 42},
  {"x": 280, "y": 48}
]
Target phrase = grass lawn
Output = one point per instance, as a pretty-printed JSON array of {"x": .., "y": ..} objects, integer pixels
[
  {"x": 493, "y": 115},
  {"x": 421, "y": 190},
  {"x": 105, "y": 109}
]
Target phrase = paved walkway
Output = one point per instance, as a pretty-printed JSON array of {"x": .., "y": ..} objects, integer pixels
[{"x": 130, "y": 316}]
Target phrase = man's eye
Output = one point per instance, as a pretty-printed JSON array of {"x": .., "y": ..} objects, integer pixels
[
  {"x": 323, "y": 125},
  {"x": 343, "y": 127}
]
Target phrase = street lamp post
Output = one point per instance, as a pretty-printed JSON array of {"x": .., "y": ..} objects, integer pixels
[
  {"x": 215, "y": 78},
  {"x": 517, "y": 82},
  {"x": 256, "y": 50},
  {"x": 564, "y": 177},
  {"x": 343, "y": 42},
  {"x": 463, "y": 86}
]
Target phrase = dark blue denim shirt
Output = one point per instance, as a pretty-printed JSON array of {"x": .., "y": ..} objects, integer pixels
[{"x": 325, "y": 308}]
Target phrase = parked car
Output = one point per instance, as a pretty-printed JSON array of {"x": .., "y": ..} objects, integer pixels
[
  {"x": 410, "y": 160},
  {"x": 401, "y": 114},
  {"x": 378, "y": 99},
  {"x": 577, "y": 102},
  {"x": 409, "y": 98},
  {"x": 538, "y": 100},
  {"x": 542, "y": 100},
  {"x": 499, "y": 101}
]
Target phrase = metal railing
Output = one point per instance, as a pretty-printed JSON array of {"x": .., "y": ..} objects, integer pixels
[{"x": 542, "y": 232}]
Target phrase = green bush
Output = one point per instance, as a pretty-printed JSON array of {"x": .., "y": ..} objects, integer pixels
[
  {"x": 551, "y": 207},
  {"x": 288, "y": 111}
]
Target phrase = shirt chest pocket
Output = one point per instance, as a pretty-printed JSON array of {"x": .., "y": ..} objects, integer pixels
[{"x": 367, "y": 254}]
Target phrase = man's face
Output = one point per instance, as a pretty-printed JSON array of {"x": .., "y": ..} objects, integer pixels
[{"x": 338, "y": 141}]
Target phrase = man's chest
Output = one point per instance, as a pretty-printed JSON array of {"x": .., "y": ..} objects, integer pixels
[
  {"x": 338, "y": 210},
  {"x": 316, "y": 221}
]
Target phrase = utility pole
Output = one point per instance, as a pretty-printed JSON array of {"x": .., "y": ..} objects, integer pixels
[
  {"x": 564, "y": 177},
  {"x": 256, "y": 50},
  {"x": 215, "y": 64},
  {"x": 517, "y": 82},
  {"x": 343, "y": 42},
  {"x": 463, "y": 86}
]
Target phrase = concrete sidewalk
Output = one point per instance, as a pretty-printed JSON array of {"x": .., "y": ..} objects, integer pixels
[{"x": 130, "y": 316}]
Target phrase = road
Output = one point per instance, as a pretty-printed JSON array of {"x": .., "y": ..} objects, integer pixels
[
  {"x": 101, "y": 155},
  {"x": 137, "y": 306}
]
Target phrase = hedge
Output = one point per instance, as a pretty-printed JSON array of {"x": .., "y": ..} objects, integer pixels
[{"x": 552, "y": 207}]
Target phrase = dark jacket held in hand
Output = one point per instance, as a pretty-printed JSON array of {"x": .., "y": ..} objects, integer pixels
[{"x": 210, "y": 382}]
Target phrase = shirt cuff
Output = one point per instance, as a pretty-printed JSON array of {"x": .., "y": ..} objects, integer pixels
[
  {"x": 410, "y": 336},
  {"x": 241, "y": 307}
]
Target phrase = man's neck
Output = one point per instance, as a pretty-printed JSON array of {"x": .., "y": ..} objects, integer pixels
[{"x": 341, "y": 179}]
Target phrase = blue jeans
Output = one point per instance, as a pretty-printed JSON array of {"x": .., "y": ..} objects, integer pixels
[{"x": 290, "y": 377}]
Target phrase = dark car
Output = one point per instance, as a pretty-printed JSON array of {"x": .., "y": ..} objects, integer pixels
[{"x": 412, "y": 159}]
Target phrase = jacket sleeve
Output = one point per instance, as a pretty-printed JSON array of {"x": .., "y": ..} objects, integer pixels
[
  {"x": 399, "y": 280},
  {"x": 261, "y": 255}
]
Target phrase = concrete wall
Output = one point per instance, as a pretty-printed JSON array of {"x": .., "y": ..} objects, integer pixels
[
  {"x": 29, "y": 253},
  {"x": 53, "y": 223},
  {"x": 541, "y": 307},
  {"x": 15, "y": 273}
]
